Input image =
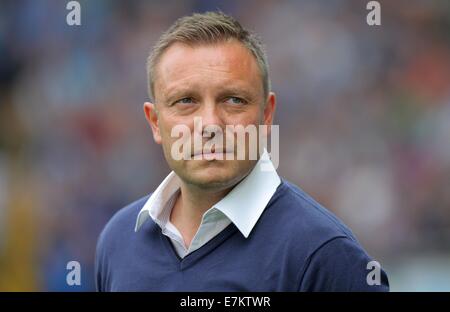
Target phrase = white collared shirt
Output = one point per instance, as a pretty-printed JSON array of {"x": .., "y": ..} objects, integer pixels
[{"x": 243, "y": 206}]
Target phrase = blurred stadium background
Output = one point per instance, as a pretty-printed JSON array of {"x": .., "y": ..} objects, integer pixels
[{"x": 364, "y": 115}]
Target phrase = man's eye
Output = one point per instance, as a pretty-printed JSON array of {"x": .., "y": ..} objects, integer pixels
[
  {"x": 235, "y": 100},
  {"x": 186, "y": 100}
]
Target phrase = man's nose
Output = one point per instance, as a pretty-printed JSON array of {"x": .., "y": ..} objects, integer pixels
[{"x": 211, "y": 115}]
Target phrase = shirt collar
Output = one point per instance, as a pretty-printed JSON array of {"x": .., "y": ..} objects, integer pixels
[
  {"x": 156, "y": 203},
  {"x": 243, "y": 205}
]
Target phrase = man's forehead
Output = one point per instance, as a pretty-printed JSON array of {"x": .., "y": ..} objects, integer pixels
[
  {"x": 218, "y": 48},
  {"x": 183, "y": 64},
  {"x": 233, "y": 86}
]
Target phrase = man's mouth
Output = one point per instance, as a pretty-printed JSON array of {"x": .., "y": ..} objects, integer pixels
[{"x": 212, "y": 154}]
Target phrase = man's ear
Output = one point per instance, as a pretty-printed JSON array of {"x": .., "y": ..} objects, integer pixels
[
  {"x": 151, "y": 114},
  {"x": 269, "y": 110}
]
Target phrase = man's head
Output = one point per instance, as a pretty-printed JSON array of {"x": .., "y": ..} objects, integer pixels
[
  {"x": 202, "y": 29},
  {"x": 208, "y": 66}
]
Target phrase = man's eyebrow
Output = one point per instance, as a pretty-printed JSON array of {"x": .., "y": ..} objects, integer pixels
[
  {"x": 230, "y": 90},
  {"x": 172, "y": 94}
]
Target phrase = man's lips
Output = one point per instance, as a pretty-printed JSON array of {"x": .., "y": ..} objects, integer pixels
[
  {"x": 210, "y": 151},
  {"x": 214, "y": 154}
]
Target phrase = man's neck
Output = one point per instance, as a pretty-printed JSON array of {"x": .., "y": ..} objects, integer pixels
[{"x": 190, "y": 206}]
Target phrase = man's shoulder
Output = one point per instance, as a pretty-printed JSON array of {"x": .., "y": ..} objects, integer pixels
[
  {"x": 111, "y": 242},
  {"x": 301, "y": 216},
  {"x": 123, "y": 221},
  {"x": 128, "y": 214},
  {"x": 332, "y": 257}
]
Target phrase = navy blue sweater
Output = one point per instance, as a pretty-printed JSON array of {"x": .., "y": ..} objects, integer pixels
[{"x": 296, "y": 245}]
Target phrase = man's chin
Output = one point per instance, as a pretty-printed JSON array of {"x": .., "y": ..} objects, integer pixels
[
  {"x": 211, "y": 180},
  {"x": 211, "y": 175}
]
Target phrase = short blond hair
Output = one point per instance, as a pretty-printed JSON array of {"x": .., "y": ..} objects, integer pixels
[{"x": 207, "y": 28}]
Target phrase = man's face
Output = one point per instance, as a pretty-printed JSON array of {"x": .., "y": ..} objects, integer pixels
[{"x": 220, "y": 83}]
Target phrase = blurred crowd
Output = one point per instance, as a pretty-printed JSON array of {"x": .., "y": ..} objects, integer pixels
[{"x": 364, "y": 115}]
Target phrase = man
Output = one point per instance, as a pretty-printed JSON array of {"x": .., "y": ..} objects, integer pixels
[{"x": 220, "y": 223}]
